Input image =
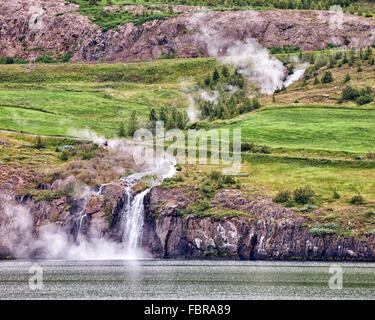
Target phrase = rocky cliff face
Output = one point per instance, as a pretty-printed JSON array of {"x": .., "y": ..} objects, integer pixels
[
  {"x": 265, "y": 231},
  {"x": 33, "y": 28},
  {"x": 24, "y": 217}
]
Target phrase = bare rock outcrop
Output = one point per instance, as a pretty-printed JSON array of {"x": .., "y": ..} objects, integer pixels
[
  {"x": 265, "y": 231},
  {"x": 30, "y": 29}
]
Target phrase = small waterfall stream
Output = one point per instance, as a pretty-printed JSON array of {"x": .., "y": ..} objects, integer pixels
[
  {"x": 82, "y": 215},
  {"x": 132, "y": 215},
  {"x": 295, "y": 76}
]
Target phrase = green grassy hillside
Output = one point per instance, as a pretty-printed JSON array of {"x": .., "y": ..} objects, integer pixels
[
  {"x": 311, "y": 138},
  {"x": 54, "y": 98}
]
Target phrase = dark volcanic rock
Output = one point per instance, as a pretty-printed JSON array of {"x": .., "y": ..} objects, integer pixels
[{"x": 269, "y": 231}]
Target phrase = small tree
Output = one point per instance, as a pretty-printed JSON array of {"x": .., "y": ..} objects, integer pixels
[
  {"x": 133, "y": 124},
  {"x": 39, "y": 144},
  {"x": 122, "y": 130},
  {"x": 153, "y": 117},
  {"x": 316, "y": 81},
  {"x": 215, "y": 76},
  {"x": 347, "y": 78},
  {"x": 256, "y": 104},
  {"x": 327, "y": 77},
  {"x": 225, "y": 72}
]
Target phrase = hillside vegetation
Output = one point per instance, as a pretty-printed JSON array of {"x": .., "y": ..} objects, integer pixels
[{"x": 305, "y": 135}]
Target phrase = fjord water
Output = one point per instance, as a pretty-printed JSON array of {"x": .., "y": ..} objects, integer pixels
[{"x": 185, "y": 279}]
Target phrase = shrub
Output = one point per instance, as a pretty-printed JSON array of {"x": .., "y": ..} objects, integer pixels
[
  {"x": 67, "y": 57},
  {"x": 39, "y": 144},
  {"x": 179, "y": 178},
  {"x": 265, "y": 149},
  {"x": 215, "y": 175},
  {"x": 336, "y": 195},
  {"x": 357, "y": 199},
  {"x": 122, "y": 132},
  {"x": 347, "y": 78},
  {"x": 327, "y": 77},
  {"x": 248, "y": 146},
  {"x": 304, "y": 195},
  {"x": 45, "y": 59},
  {"x": 202, "y": 205},
  {"x": 228, "y": 180},
  {"x": 283, "y": 196},
  {"x": 208, "y": 190},
  {"x": 321, "y": 230},
  {"x": 89, "y": 155},
  {"x": 64, "y": 156},
  {"x": 349, "y": 93},
  {"x": 368, "y": 98},
  {"x": 49, "y": 195}
]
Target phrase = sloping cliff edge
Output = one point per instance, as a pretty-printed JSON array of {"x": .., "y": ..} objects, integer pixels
[{"x": 266, "y": 231}]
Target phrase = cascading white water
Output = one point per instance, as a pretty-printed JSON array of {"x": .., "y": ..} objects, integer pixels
[
  {"x": 295, "y": 76},
  {"x": 133, "y": 223},
  {"x": 82, "y": 215},
  {"x": 132, "y": 215}
]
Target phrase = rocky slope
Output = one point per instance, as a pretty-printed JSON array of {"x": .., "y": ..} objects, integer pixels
[
  {"x": 33, "y": 28},
  {"x": 268, "y": 231}
]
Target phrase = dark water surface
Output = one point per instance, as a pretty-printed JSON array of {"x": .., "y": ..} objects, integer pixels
[{"x": 185, "y": 279}]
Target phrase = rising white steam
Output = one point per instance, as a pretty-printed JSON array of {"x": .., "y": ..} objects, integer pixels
[
  {"x": 192, "y": 110},
  {"x": 254, "y": 62},
  {"x": 212, "y": 97}
]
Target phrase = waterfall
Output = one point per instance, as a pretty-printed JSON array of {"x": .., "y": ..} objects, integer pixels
[
  {"x": 82, "y": 215},
  {"x": 132, "y": 215},
  {"x": 133, "y": 222},
  {"x": 295, "y": 76}
]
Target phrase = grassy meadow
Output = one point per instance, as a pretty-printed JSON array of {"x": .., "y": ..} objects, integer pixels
[{"x": 53, "y": 99}]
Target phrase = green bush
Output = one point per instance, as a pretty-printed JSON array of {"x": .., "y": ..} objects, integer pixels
[
  {"x": 89, "y": 155},
  {"x": 283, "y": 196},
  {"x": 357, "y": 199},
  {"x": 321, "y": 230},
  {"x": 327, "y": 77},
  {"x": 349, "y": 93},
  {"x": 228, "y": 180},
  {"x": 368, "y": 98},
  {"x": 215, "y": 175},
  {"x": 39, "y": 143},
  {"x": 67, "y": 57},
  {"x": 335, "y": 195},
  {"x": 64, "y": 156},
  {"x": 45, "y": 59},
  {"x": 304, "y": 195}
]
